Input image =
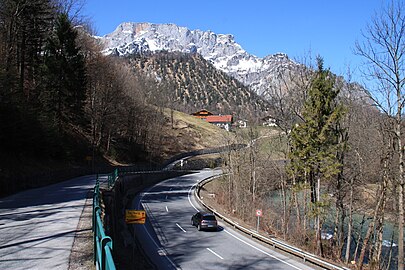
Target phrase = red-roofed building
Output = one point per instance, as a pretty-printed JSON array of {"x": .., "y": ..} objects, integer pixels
[{"x": 222, "y": 121}]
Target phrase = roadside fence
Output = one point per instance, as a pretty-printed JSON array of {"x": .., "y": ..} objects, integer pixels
[
  {"x": 102, "y": 247},
  {"x": 103, "y": 258}
]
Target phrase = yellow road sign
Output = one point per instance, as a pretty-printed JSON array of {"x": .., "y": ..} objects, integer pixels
[{"x": 135, "y": 216}]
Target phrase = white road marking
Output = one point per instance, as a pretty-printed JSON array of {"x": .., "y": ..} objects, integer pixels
[
  {"x": 162, "y": 252},
  {"x": 262, "y": 251},
  {"x": 181, "y": 227},
  {"x": 258, "y": 249},
  {"x": 168, "y": 194},
  {"x": 216, "y": 254},
  {"x": 159, "y": 249},
  {"x": 167, "y": 210},
  {"x": 189, "y": 197}
]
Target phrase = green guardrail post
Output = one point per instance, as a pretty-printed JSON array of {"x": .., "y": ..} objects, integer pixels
[
  {"x": 106, "y": 242},
  {"x": 109, "y": 262},
  {"x": 103, "y": 244},
  {"x": 96, "y": 202},
  {"x": 95, "y": 232}
]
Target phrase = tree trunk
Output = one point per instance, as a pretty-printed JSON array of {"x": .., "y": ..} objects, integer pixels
[
  {"x": 339, "y": 221},
  {"x": 284, "y": 198},
  {"x": 297, "y": 209},
  {"x": 336, "y": 226},
  {"x": 11, "y": 34},
  {"x": 371, "y": 226},
  {"x": 365, "y": 243},
  {"x": 108, "y": 141},
  {"x": 401, "y": 224},
  {"x": 319, "y": 248},
  {"x": 100, "y": 134},
  {"x": 376, "y": 258},
  {"x": 304, "y": 224},
  {"x": 350, "y": 224},
  {"x": 22, "y": 63},
  {"x": 359, "y": 238},
  {"x": 296, "y": 205},
  {"x": 379, "y": 241},
  {"x": 400, "y": 176},
  {"x": 253, "y": 169},
  {"x": 390, "y": 253},
  {"x": 230, "y": 175}
]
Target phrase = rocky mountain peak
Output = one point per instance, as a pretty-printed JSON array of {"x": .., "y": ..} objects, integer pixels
[{"x": 220, "y": 49}]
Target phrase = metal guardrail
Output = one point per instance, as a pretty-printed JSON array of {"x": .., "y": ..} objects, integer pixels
[
  {"x": 277, "y": 244},
  {"x": 102, "y": 244},
  {"x": 112, "y": 177},
  {"x": 123, "y": 171},
  {"x": 215, "y": 150}
]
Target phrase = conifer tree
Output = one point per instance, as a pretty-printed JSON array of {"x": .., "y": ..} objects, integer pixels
[
  {"x": 314, "y": 142},
  {"x": 65, "y": 75},
  {"x": 24, "y": 27}
]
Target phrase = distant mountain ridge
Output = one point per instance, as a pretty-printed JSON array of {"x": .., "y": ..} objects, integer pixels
[{"x": 220, "y": 49}]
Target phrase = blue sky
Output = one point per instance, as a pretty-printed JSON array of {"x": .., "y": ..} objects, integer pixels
[{"x": 262, "y": 27}]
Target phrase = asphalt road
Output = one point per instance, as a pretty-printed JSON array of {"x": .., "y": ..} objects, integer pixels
[
  {"x": 37, "y": 227},
  {"x": 172, "y": 243}
]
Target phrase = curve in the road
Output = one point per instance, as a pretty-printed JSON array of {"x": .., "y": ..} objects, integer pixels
[{"x": 172, "y": 243}]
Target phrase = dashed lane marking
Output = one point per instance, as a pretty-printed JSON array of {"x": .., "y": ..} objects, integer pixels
[
  {"x": 216, "y": 254},
  {"x": 181, "y": 227}
]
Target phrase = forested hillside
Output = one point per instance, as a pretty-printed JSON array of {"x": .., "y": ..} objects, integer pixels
[
  {"x": 188, "y": 82},
  {"x": 43, "y": 89}
]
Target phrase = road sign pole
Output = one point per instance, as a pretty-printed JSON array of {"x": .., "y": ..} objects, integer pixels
[{"x": 258, "y": 215}]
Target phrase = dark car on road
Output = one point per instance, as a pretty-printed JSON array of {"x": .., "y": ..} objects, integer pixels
[{"x": 204, "y": 221}]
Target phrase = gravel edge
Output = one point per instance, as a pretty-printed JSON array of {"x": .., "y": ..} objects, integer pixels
[{"x": 81, "y": 256}]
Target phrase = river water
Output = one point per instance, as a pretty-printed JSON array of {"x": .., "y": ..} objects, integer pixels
[{"x": 275, "y": 203}]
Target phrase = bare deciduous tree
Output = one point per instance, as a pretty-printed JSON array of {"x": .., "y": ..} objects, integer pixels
[{"x": 383, "y": 49}]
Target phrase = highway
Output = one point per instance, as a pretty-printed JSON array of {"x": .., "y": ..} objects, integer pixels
[{"x": 172, "y": 243}]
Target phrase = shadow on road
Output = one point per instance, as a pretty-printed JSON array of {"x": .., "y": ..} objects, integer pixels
[
  {"x": 44, "y": 238},
  {"x": 71, "y": 190}
]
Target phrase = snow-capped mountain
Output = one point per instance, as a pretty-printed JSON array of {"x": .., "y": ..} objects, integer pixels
[{"x": 222, "y": 50}]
